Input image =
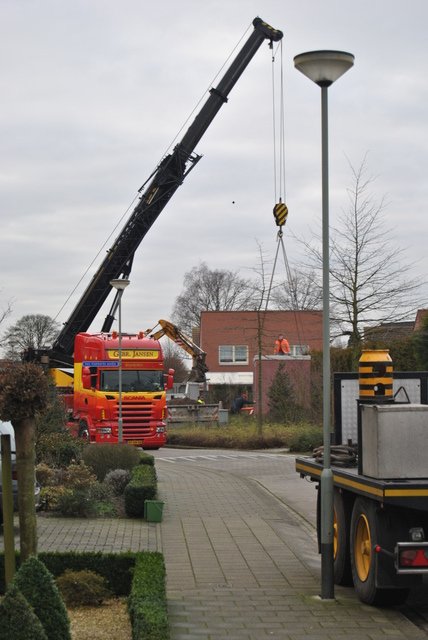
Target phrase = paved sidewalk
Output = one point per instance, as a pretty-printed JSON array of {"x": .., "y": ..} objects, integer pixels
[{"x": 240, "y": 564}]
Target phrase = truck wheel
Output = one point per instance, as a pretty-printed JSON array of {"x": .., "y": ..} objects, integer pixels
[
  {"x": 364, "y": 536},
  {"x": 83, "y": 431},
  {"x": 341, "y": 550}
]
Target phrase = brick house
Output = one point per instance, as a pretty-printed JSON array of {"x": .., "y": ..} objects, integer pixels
[{"x": 230, "y": 340}]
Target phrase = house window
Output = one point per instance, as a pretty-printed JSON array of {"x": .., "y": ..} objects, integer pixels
[
  {"x": 299, "y": 350},
  {"x": 233, "y": 354}
]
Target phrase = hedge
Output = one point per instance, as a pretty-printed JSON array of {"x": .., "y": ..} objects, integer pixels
[
  {"x": 142, "y": 486},
  {"x": 141, "y": 575},
  {"x": 147, "y": 600}
]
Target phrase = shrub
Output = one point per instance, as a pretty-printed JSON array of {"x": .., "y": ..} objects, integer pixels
[
  {"x": 304, "y": 438},
  {"x": 298, "y": 438},
  {"x": 39, "y": 588},
  {"x": 17, "y": 618},
  {"x": 50, "y": 497},
  {"x": 45, "y": 475},
  {"x": 103, "y": 458},
  {"x": 101, "y": 497},
  {"x": 83, "y": 588},
  {"x": 79, "y": 476},
  {"x": 58, "y": 449},
  {"x": 142, "y": 487},
  {"x": 116, "y": 568},
  {"x": 147, "y": 458},
  {"x": 76, "y": 503},
  {"x": 117, "y": 480},
  {"x": 147, "y": 600}
]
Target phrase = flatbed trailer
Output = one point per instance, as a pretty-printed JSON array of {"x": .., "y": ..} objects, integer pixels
[
  {"x": 380, "y": 527},
  {"x": 379, "y": 532}
]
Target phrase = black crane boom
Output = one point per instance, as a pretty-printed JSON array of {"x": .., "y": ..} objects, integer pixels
[{"x": 166, "y": 179}]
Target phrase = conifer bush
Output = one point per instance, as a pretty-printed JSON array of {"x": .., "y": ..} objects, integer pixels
[
  {"x": 17, "y": 618},
  {"x": 39, "y": 588}
]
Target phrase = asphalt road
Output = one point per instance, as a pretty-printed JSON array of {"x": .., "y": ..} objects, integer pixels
[{"x": 273, "y": 470}]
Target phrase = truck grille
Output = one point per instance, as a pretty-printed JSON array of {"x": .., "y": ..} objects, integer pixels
[{"x": 136, "y": 417}]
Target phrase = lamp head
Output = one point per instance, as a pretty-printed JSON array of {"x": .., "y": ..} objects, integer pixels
[{"x": 324, "y": 67}]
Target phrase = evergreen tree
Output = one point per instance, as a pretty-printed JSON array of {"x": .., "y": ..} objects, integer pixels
[
  {"x": 283, "y": 406},
  {"x": 39, "y": 588},
  {"x": 17, "y": 618}
]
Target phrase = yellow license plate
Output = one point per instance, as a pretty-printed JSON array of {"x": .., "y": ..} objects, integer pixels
[{"x": 135, "y": 443}]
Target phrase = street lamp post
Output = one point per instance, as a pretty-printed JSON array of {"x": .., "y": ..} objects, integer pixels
[
  {"x": 323, "y": 68},
  {"x": 120, "y": 285}
]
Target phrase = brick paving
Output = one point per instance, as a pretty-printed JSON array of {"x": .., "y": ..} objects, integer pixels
[{"x": 240, "y": 564}]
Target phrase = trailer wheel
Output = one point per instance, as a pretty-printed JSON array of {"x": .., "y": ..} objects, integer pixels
[
  {"x": 364, "y": 535},
  {"x": 341, "y": 550}
]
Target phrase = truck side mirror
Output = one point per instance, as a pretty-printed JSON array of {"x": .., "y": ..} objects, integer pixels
[
  {"x": 169, "y": 379},
  {"x": 86, "y": 377}
]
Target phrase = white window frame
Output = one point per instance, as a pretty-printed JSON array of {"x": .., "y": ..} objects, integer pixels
[{"x": 233, "y": 361}]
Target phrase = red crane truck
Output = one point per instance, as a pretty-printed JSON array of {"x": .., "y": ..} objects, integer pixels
[
  {"x": 93, "y": 402},
  {"x": 379, "y": 462}
]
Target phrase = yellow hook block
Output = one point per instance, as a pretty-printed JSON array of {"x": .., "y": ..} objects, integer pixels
[{"x": 280, "y": 213}]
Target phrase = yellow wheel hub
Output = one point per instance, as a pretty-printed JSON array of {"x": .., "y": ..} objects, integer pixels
[
  {"x": 335, "y": 535},
  {"x": 363, "y": 548}
]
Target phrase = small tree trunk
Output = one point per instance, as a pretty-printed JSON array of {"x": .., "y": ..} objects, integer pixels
[{"x": 25, "y": 431}]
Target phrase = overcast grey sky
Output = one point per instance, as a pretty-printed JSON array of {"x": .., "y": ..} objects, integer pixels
[{"x": 94, "y": 91}]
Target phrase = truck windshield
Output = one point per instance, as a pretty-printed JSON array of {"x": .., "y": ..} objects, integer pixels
[{"x": 132, "y": 380}]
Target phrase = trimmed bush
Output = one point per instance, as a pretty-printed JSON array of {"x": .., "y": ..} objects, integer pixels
[
  {"x": 147, "y": 600},
  {"x": 147, "y": 458},
  {"x": 116, "y": 568},
  {"x": 142, "y": 486},
  {"x": 39, "y": 588},
  {"x": 103, "y": 458},
  {"x": 17, "y": 618},
  {"x": 117, "y": 480},
  {"x": 83, "y": 588}
]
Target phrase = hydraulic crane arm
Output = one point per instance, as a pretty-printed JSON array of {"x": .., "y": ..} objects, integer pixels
[
  {"x": 199, "y": 368},
  {"x": 166, "y": 179}
]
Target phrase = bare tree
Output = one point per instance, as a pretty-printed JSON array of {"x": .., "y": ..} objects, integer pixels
[
  {"x": 302, "y": 291},
  {"x": 4, "y": 313},
  {"x": 175, "y": 358},
  {"x": 368, "y": 283},
  {"x": 30, "y": 332},
  {"x": 210, "y": 290}
]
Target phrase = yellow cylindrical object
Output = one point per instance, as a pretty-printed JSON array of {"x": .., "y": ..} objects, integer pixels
[{"x": 375, "y": 371}]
